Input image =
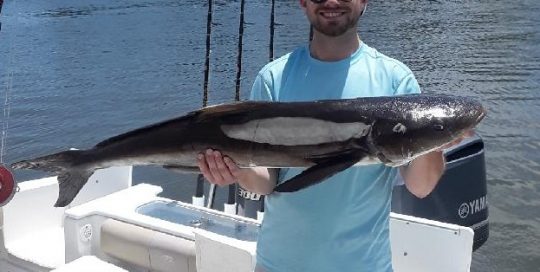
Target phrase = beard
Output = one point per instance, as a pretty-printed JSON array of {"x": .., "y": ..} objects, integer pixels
[{"x": 334, "y": 29}]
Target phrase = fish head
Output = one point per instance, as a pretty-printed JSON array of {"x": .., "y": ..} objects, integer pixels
[{"x": 414, "y": 125}]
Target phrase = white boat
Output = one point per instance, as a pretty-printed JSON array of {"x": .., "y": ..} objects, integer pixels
[{"x": 114, "y": 226}]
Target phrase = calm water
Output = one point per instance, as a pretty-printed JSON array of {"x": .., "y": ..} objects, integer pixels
[{"x": 77, "y": 72}]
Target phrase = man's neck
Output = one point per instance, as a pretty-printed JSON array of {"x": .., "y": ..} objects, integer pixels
[{"x": 327, "y": 48}]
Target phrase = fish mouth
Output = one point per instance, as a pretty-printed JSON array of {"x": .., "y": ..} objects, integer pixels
[
  {"x": 22, "y": 165},
  {"x": 481, "y": 116}
]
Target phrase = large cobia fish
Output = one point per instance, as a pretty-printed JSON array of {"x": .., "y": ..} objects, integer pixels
[{"x": 326, "y": 136}]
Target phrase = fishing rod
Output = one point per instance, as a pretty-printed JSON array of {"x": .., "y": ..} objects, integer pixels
[
  {"x": 272, "y": 30},
  {"x": 231, "y": 206},
  {"x": 198, "y": 198},
  {"x": 243, "y": 195},
  {"x": 260, "y": 210}
]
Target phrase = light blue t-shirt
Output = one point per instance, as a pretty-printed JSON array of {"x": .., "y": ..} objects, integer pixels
[{"x": 340, "y": 224}]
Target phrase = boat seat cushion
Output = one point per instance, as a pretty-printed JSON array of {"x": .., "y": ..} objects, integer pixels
[{"x": 147, "y": 248}]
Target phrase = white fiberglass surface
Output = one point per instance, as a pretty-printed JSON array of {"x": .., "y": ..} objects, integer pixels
[{"x": 180, "y": 214}]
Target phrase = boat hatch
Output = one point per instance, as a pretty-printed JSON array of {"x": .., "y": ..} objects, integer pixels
[{"x": 177, "y": 213}]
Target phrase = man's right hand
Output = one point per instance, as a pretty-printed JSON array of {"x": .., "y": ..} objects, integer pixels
[
  {"x": 218, "y": 169},
  {"x": 222, "y": 170}
]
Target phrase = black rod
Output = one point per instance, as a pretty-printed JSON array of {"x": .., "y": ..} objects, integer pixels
[
  {"x": 261, "y": 207},
  {"x": 199, "y": 192},
  {"x": 270, "y": 58},
  {"x": 1, "y": 4},
  {"x": 239, "y": 52},
  {"x": 207, "y": 56},
  {"x": 272, "y": 30},
  {"x": 231, "y": 199}
]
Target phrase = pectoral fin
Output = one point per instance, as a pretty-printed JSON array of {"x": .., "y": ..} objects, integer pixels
[{"x": 319, "y": 172}]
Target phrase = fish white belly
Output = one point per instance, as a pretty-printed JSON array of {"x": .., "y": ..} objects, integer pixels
[{"x": 292, "y": 131}]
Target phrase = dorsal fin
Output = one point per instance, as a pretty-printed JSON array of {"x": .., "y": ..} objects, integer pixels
[{"x": 128, "y": 134}]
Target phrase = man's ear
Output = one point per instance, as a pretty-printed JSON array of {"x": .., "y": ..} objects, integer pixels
[{"x": 303, "y": 3}]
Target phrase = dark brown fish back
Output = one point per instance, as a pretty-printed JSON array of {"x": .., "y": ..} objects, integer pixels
[
  {"x": 231, "y": 109},
  {"x": 120, "y": 137}
]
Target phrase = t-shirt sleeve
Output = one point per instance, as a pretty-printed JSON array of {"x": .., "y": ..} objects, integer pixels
[
  {"x": 406, "y": 82},
  {"x": 261, "y": 90}
]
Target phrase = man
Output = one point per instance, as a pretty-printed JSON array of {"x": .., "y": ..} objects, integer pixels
[{"x": 340, "y": 224}]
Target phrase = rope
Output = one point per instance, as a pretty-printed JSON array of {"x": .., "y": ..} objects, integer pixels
[
  {"x": 7, "y": 111},
  {"x": 7, "y": 98}
]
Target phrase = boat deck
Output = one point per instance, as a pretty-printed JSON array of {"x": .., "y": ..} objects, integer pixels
[{"x": 132, "y": 228}]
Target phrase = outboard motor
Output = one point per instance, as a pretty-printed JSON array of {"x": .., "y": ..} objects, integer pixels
[{"x": 460, "y": 196}]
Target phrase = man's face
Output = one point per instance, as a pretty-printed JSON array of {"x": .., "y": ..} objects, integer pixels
[{"x": 333, "y": 17}]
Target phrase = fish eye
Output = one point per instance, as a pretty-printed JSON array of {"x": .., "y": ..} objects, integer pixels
[
  {"x": 399, "y": 128},
  {"x": 438, "y": 127}
]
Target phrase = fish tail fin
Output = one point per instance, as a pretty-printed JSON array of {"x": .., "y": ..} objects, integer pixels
[
  {"x": 72, "y": 175},
  {"x": 70, "y": 183}
]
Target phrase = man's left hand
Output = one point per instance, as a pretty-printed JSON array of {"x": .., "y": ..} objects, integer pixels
[{"x": 458, "y": 140}]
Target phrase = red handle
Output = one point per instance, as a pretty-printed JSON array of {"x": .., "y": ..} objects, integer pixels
[{"x": 7, "y": 185}]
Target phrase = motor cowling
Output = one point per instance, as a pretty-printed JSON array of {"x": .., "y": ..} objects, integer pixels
[{"x": 460, "y": 197}]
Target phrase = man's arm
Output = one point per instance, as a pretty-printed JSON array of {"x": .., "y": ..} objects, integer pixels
[
  {"x": 423, "y": 173},
  {"x": 222, "y": 170}
]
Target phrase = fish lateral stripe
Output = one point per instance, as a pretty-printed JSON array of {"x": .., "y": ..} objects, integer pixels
[{"x": 291, "y": 131}]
